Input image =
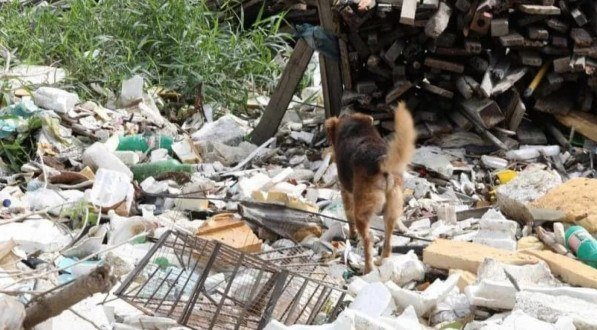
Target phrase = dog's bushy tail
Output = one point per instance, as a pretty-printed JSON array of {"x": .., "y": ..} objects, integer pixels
[{"x": 402, "y": 145}]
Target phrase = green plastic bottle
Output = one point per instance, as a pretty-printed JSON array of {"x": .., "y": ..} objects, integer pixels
[
  {"x": 582, "y": 244},
  {"x": 144, "y": 171},
  {"x": 145, "y": 142}
]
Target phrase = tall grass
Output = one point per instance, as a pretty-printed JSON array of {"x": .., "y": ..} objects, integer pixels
[{"x": 172, "y": 43}]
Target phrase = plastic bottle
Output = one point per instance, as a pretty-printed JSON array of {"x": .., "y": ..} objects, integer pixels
[
  {"x": 582, "y": 244},
  {"x": 144, "y": 171},
  {"x": 98, "y": 156},
  {"x": 145, "y": 142}
]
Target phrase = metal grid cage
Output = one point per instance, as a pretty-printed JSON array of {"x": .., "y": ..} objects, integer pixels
[{"x": 208, "y": 285}]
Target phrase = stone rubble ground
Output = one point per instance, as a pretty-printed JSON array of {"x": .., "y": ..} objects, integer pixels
[{"x": 78, "y": 175}]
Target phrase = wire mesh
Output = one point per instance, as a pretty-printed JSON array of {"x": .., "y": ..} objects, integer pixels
[{"x": 208, "y": 285}]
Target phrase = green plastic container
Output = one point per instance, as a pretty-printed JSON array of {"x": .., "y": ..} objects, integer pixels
[
  {"x": 145, "y": 142},
  {"x": 144, "y": 171},
  {"x": 582, "y": 244}
]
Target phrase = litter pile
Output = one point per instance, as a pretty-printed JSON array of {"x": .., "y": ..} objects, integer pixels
[
  {"x": 210, "y": 231},
  {"x": 113, "y": 216}
]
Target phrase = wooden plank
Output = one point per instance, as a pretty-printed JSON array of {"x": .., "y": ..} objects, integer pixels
[
  {"x": 274, "y": 112},
  {"x": 571, "y": 271},
  {"x": 346, "y": 76},
  {"x": 447, "y": 254},
  {"x": 583, "y": 122},
  {"x": 331, "y": 77}
]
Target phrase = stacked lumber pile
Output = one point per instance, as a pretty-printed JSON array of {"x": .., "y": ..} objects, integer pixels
[{"x": 465, "y": 65}]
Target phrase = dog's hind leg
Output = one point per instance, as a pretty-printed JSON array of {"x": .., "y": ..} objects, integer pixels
[
  {"x": 348, "y": 201},
  {"x": 366, "y": 204},
  {"x": 392, "y": 213}
]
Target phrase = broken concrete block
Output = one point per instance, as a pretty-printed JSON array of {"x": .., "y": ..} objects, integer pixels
[
  {"x": 569, "y": 270},
  {"x": 420, "y": 186},
  {"x": 496, "y": 231},
  {"x": 186, "y": 151},
  {"x": 131, "y": 91},
  {"x": 423, "y": 302},
  {"x": 12, "y": 312},
  {"x": 466, "y": 278},
  {"x": 303, "y": 136},
  {"x": 435, "y": 160},
  {"x": 518, "y": 320},
  {"x": 55, "y": 99},
  {"x": 529, "y": 185},
  {"x": 225, "y": 154},
  {"x": 493, "y": 289},
  {"x": 439, "y": 21},
  {"x": 577, "y": 198},
  {"x": 447, "y": 254},
  {"x": 400, "y": 269},
  {"x": 454, "y": 307},
  {"x": 247, "y": 185},
  {"x": 227, "y": 130},
  {"x": 374, "y": 300},
  {"x": 550, "y": 308}
]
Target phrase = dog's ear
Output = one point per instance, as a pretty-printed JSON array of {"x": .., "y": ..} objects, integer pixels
[
  {"x": 363, "y": 118},
  {"x": 330, "y": 127}
]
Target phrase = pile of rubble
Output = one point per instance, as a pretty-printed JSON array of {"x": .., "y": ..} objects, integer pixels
[
  {"x": 473, "y": 66},
  {"x": 206, "y": 230}
]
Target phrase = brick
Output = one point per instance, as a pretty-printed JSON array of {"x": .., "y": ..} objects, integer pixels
[
  {"x": 439, "y": 21},
  {"x": 537, "y": 33},
  {"x": 562, "y": 65},
  {"x": 512, "y": 40},
  {"x": 448, "y": 254},
  {"x": 557, "y": 25},
  {"x": 401, "y": 88},
  {"x": 581, "y": 37},
  {"x": 444, "y": 65},
  {"x": 437, "y": 90},
  {"x": 409, "y": 10},
  {"x": 530, "y": 58},
  {"x": 579, "y": 17},
  {"x": 499, "y": 27},
  {"x": 539, "y": 10}
]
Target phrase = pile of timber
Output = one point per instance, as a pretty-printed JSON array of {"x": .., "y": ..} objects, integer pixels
[{"x": 470, "y": 64}]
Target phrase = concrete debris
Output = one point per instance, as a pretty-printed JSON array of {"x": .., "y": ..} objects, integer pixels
[
  {"x": 227, "y": 130},
  {"x": 423, "y": 302},
  {"x": 551, "y": 308},
  {"x": 493, "y": 288},
  {"x": 519, "y": 320},
  {"x": 488, "y": 201},
  {"x": 513, "y": 197},
  {"x": 496, "y": 231},
  {"x": 55, "y": 99},
  {"x": 374, "y": 300},
  {"x": 434, "y": 160}
]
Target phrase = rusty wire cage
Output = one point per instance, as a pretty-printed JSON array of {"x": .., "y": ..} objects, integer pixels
[{"x": 205, "y": 284}]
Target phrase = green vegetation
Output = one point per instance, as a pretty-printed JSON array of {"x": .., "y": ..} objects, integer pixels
[{"x": 172, "y": 43}]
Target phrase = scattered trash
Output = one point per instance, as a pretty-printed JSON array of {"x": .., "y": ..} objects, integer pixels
[{"x": 216, "y": 223}]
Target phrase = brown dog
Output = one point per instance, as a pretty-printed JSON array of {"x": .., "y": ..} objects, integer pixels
[{"x": 370, "y": 172}]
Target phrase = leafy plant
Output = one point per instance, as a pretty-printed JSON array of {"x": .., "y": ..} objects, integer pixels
[{"x": 172, "y": 43}]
